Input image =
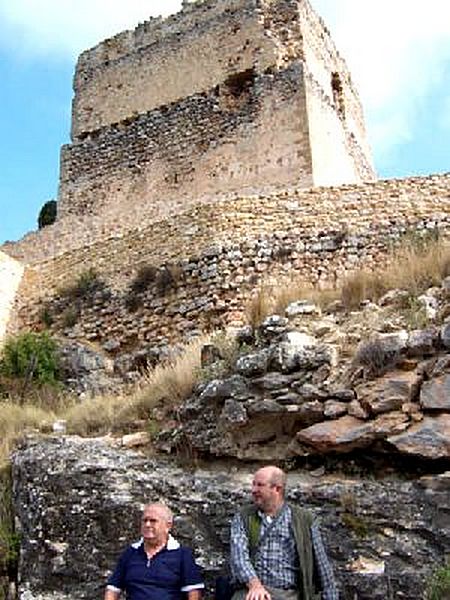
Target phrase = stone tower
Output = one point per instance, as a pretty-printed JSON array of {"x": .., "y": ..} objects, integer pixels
[{"x": 226, "y": 96}]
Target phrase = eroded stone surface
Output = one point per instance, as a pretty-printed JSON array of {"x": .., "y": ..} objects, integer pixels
[{"x": 77, "y": 504}]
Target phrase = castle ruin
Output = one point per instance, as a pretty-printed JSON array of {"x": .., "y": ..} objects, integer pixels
[
  {"x": 226, "y": 143},
  {"x": 225, "y": 96}
]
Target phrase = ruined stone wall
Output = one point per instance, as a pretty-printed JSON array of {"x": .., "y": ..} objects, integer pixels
[
  {"x": 227, "y": 95},
  {"x": 339, "y": 147},
  {"x": 223, "y": 250},
  {"x": 248, "y": 133},
  {"x": 164, "y": 61},
  {"x": 11, "y": 272}
]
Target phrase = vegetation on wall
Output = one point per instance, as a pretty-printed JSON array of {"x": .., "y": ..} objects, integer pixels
[
  {"x": 439, "y": 584},
  {"x": 413, "y": 267},
  {"x": 66, "y": 307},
  {"x": 87, "y": 284},
  {"x": 161, "y": 280}
]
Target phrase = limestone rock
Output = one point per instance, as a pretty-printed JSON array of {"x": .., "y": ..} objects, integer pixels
[
  {"x": 302, "y": 307},
  {"x": 435, "y": 394},
  {"x": 422, "y": 342},
  {"x": 429, "y": 438},
  {"x": 233, "y": 413},
  {"x": 389, "y": 392},
  {"x": 77, "y": 505},
  {"x": 334, "y": 409},
  {"x": 340, "y": 435},
  {"x": 253, "y": 364},
  {"x": 445, "y": 335}
]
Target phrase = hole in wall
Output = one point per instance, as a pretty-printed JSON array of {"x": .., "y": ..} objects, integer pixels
[{"x": 338, "y": 93}]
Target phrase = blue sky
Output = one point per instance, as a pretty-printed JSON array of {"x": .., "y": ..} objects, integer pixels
[{"x": 398, "y": 52}]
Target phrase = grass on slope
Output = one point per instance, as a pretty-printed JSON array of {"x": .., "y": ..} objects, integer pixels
[
  {"x": 163, "y": 387},
  {"x": 414, "y": 267}
]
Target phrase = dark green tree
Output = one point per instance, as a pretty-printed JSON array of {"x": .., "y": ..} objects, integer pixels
[{"x": 47, "y": 214}]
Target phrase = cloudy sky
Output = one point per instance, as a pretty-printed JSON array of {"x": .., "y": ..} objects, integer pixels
[{"x": 398, "y": 52}]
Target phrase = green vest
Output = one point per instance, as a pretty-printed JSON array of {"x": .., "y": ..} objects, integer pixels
[{"x": 301, "y": 525}]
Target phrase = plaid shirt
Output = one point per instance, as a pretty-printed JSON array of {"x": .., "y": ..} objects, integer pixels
[{"x": 276, "y": 561}]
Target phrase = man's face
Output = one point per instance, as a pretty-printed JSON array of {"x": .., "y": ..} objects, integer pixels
[
  {"x": 154, "y": 525},
  {"x": 264, "y": 493}
]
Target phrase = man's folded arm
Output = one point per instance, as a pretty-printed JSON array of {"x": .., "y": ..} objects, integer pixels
[{"x": 323, "y": 565}]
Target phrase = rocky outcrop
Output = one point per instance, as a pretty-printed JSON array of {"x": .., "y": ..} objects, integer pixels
[
  {"x": 297, "y": 393},
  {"x": 77, "y": 503}
]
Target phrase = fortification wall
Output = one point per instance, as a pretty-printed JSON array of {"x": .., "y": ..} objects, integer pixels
[
  {"x": 164, "y": 61},
  {"x": 248, "y": 133},
  {"x": 221, "y": 252},
  {"x": 339, "y": 147},
  {"x": 11, "y": 272},
  {"x": 227, "y": 95}
]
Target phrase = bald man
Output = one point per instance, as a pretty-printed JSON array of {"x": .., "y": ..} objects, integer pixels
[
  {"x": 277, "y": 552},
  {"x": 156, "y": 567}
]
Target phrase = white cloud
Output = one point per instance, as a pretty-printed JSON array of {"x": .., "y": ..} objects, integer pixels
[
  {"x": 396, "y": 49},
  {"x": 64, "y": 28}
]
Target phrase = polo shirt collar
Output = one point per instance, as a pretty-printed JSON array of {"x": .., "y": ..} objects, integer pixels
[{"x": 172, "y": 543}]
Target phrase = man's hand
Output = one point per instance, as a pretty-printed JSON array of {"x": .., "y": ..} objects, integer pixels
[{"x": 256, "y": 590}]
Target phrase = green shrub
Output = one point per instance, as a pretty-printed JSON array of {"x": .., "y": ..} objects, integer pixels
[
  {"x": 32, "y": 356},
  {"x": 439, "y": 584},
  {"x": 47, "y": 214},
  {"x": 87, "y": 284}
]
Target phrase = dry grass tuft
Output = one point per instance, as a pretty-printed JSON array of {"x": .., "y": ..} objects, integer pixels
[
  {"x": 164, "y": 386},
  {"x": 414, "y": 268},
  {"x": 15, "y": 421},
  {"x": 274, "y": 297}
]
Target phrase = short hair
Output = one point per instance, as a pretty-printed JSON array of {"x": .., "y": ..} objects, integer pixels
[
  {"x": 275, "y": 476},
  {"x": 278, "y": 477},
  {"x": 168, "y": 514}
]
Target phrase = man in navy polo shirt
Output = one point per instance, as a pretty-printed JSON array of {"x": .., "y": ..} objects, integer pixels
[{"x": 156, "y": 567}]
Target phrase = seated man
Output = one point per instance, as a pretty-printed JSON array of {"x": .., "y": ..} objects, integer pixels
[
  {"x": 276, "y": 549},
  {"x": 156, "y": 567}
]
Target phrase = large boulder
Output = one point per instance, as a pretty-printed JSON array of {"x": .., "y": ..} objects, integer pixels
[{"x": 77, "y": 505}]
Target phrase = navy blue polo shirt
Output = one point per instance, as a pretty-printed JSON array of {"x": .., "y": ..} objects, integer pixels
[{"x": 165, "y": 576}]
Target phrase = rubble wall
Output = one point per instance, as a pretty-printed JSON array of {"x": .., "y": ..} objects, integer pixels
[
  {"x": 11, "y": 272},
  {"x": 222, "y": 252},
  {"x": 227, "y": 95},
  {"x": 163, "y": 61},
  {"x": 249, "y": 133}
]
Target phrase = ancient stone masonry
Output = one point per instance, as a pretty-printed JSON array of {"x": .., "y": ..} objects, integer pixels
[
  {"x": 11, "y": 272},
  {"x": 227, "y": 95},
  {"x": 199, "y": 141},
  {"x": 223, "y": 250}
]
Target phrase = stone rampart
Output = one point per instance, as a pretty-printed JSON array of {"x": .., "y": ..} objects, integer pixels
[
  {"x": 227, "y": 95},
  {"x": 250, "y": 132},
  {"x": 222, "y": 251},
  {"x": 11, "y": 272}
]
